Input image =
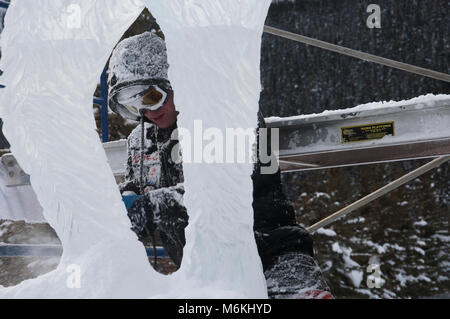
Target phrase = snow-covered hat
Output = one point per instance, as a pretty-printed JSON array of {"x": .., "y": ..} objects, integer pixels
[{"x": 136, "y": 61}]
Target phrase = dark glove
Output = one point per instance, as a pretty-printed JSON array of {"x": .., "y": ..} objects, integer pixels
[
  {"x": 296, "y": 276},
  {"x": 172, "y": 218},
  {"x": 141, "y": 214},
  {"x": 282, "y": 240}
]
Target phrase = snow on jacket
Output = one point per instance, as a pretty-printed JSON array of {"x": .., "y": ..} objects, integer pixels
[
  {"x": 161, "y": 207},
  {"x": 159, "y": 170},
  {"x": 286, "y": 248}
]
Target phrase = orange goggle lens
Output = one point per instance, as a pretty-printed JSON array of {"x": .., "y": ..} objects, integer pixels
[{"x": 152, "y": 97}]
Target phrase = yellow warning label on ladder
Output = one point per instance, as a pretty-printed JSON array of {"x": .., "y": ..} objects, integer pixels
[{"x": 367, "y": 132}]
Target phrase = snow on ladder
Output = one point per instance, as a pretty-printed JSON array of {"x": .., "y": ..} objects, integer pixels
[{"x": 371, "y": 133}]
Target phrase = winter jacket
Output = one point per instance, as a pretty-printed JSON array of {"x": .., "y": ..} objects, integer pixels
[{"x": 285, "y": 248}]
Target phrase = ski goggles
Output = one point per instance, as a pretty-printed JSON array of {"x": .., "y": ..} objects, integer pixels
[{"x": 139, "y": 98}]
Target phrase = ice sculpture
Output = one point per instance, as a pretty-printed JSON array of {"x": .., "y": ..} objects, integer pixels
[{"x": 53, "y": 54}]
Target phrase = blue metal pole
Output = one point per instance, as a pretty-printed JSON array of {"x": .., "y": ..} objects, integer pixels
[
  {"x": 104, "y": 97},
  {"x": 10, "y": 250},
  {"x": 98, "y": 101},
  {"x": 4, "y": 4}
]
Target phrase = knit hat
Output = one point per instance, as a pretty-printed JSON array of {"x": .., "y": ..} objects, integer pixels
[{"x": 136, "y": 61}]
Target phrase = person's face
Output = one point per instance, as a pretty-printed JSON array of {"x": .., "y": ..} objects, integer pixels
[{"x": 165, "y": 116}]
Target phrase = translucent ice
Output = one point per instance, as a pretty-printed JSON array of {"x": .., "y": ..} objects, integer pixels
[
  {"x": 53, "y": 55},
  {"x": 18, "y": 203}
]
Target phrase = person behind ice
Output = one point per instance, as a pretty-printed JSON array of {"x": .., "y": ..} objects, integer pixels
[{"x": 139, "y": 90}]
